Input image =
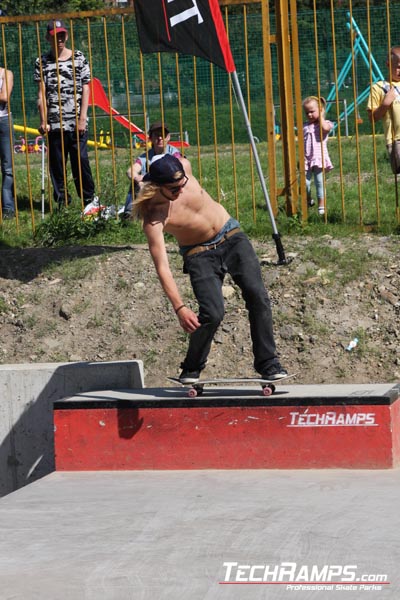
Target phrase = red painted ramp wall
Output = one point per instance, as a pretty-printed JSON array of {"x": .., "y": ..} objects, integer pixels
[{"x": 227, "y": 437}]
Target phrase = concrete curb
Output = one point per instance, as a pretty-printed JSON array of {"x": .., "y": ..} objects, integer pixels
[{"x": 27, "y": 394}]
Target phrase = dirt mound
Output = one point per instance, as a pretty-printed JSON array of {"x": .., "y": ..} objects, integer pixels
[{"x": 104, "y": 303}]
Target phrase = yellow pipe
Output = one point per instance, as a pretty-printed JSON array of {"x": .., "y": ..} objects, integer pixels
[{"x": 35, "y": 132}]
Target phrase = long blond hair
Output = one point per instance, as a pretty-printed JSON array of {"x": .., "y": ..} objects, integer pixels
[{"x": 147, "y": 191}]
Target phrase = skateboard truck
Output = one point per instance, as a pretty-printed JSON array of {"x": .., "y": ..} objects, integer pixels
[{"x": 197, "y": 389}]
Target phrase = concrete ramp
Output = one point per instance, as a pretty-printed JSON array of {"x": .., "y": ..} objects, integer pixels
[
  {"x": 203, "y": 535},
  {"x": 298, "y": 427},
  {"x": 107, "y": 526}
]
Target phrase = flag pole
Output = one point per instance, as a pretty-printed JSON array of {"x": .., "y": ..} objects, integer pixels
[{"x": 282, "y": 260}]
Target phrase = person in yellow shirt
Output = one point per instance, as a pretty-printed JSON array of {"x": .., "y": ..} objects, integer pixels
[{"x": 384, "y": 104}]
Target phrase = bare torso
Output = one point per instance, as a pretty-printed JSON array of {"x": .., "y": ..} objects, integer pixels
[{"x": 192, "y": 218}]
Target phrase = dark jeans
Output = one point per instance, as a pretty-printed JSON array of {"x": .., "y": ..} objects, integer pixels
[
  {"x": 207, "y": 271},
  {"x": 77, "y": 152},
  {"x": 7, "y": 187}
]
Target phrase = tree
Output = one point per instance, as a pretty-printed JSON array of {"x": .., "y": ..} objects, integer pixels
[{"x": 27, "y": 7}]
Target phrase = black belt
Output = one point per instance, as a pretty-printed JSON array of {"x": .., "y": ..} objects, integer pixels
[{"x": 204, "y": 247}]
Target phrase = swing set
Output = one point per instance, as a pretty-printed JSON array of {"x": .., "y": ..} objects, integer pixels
[{"x": 360, "y": 48}]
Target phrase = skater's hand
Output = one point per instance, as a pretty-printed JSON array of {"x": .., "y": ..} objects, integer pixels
[{"x": 188, "y": 320}]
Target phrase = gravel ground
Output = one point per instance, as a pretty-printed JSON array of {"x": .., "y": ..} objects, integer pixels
[{"x": 97, "y": 303}]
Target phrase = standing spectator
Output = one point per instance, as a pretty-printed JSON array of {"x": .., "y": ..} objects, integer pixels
[
  {"x": 384, "y": 104},
  {"x": 6, "y": 144},
  {"x": 159, "y": 137},
  {"x": 315, "y": 133},
  {"x": 63, "y": 96}
]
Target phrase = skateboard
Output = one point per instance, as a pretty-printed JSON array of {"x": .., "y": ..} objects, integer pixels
[{"x": 196, "y": 389}]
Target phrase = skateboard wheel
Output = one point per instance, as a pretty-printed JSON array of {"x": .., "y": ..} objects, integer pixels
[
  {"x": 192, "y": 393},
  {"x": 268, "y": 390}
]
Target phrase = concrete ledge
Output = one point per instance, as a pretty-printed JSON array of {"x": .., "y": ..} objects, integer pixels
[
  {"x": 299, "y": 427},
  {"x": 27, "y": 393}
]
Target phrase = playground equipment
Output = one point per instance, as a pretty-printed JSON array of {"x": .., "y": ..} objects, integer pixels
[
  {"x": 98, "y": 97},
  {"x": 26, "y": 130},
  {"x": 30, "y": 146},
  {"x": 360, "y": 47}
]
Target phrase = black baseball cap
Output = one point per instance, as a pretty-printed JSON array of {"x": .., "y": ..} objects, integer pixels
[
  {"x": 158, "y": 125},
  {"x": 56, "y": 26},
  {"x": 164, "y": 170}
]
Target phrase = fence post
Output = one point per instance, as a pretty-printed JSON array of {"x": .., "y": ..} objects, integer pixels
[
  {"x": 287, "y": 106},
  {"x": 269, "y": 104}
]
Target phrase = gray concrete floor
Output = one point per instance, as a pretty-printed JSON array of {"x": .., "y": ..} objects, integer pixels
[{"x": 166, "y": 535}]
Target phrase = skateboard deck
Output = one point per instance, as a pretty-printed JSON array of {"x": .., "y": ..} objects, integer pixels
[{"x": 196, "y": 389}]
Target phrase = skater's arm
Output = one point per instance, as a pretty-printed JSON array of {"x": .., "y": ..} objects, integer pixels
[{"x": 155, "y": 237}]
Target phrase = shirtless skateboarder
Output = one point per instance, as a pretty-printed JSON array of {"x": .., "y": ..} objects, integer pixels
[{"x": 212, "y": 244}]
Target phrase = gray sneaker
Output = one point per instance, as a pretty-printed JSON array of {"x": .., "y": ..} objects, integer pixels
[
  {"x": 274, "y": 372},
  {"x": 189, "y": 376}
]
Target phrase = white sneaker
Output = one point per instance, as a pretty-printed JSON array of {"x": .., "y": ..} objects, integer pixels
[
  {"x": 109, "y": 212},
  {"x": 93, "y": 208}
]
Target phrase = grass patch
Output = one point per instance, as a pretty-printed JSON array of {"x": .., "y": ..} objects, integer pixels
[
  {"x": 121, "y": 284},
  {"x": 3, "y": 306},
  {"x": 95, "y": 322},
  {"x": 358, "y": 200},
  {"x": 46, "y": 329},
  {"x": 71, "y": 270},
  {"x": 335, "y": 262}
]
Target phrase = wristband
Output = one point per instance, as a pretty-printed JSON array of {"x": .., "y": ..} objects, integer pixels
[{"x": 179, "y": 308}]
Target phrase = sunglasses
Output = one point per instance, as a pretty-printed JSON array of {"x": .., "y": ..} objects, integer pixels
[{"x": 176, "y": 188}]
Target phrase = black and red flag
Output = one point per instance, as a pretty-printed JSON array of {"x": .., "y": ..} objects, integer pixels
[
  {"x": 188, "y": 26},
  {"x": 196, "y": 27}
]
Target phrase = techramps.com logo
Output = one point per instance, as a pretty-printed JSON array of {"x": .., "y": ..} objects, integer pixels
[
  {"x": 332, "y": 419},
  {"x": 304, "y": 577}
]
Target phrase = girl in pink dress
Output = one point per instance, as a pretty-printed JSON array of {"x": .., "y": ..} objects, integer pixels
[{"x": 316, "y": 150}]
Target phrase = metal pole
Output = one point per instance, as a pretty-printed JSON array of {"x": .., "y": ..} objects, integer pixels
[
  {"x": 346, "y": 120},
  {"x": 42, "y": 178},
  {"x": 275, "y": 235}
]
